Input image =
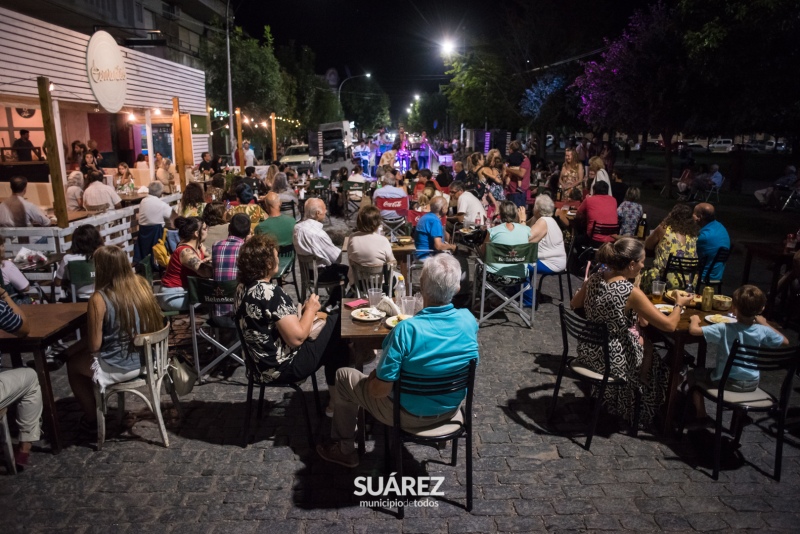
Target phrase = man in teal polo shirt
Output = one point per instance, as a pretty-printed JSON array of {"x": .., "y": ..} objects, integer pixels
[
  {"x": 712, "y": 237},
  {"x": 438, "y": 341}
]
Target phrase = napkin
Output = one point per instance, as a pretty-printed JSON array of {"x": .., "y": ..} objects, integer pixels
[
  {"x": 26, "y": 255},
  {"x": 388, "y": 306},
  {"x": 143, "y": 189}
]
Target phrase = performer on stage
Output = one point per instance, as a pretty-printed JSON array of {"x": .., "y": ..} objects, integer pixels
[
  {"x": 422, "y": 155},
  {"x": 403, "y": 153},
  {"x": 361, "y": 153}
]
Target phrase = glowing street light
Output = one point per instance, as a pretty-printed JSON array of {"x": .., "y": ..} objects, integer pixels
[
  {"x": 416, "y": 97},
  {"x": 448, "y": 47},
  {"x": 408, "y": 110}
]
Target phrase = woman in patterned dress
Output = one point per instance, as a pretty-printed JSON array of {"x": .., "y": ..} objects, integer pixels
[
  {"x": 571, "y": 173},
  {"x": 676, "y": 235},
  {"x": 609, "y": 297},
  {"x": 278, "y": 339}
]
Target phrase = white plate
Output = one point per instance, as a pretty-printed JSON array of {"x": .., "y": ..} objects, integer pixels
[
  {"x": 392, "y": 321},
  {"x": 666, "y": 308},
  {"x": 719, "y": 318},
  {"x": 367, "y": 315}
]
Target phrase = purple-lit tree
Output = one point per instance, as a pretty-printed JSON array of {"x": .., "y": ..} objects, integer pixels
[{"x": 643, "y": 81}]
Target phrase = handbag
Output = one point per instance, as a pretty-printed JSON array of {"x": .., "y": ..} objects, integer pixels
[{"x": 183, "y": 375}]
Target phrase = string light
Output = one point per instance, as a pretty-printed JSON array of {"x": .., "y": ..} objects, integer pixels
[
  {"x": 51, "y": 87},
  {"x": 157, "y": 111},
  {"x": 131, "y": 117}
]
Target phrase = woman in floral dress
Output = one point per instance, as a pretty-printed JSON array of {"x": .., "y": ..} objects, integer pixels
[
  {"x": 609, "y": 297},
  {"x": 677, "y": 236}
]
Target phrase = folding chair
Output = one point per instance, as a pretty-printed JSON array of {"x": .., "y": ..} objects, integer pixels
[
  {"x": 785, "y": 359},
  {"x": 715, "y": 190},
  {"x": 289, "y": 206},
  {"x": 792, "y": 201},
  {"x": 722, "y": 255},
  {"x": 210, "y": 293},
  {"x": 377, "y": 277},
  {"x": 352, "y": 206},
  {"x": 507, "y": 257},
  {"x": 682, "y": 269},
  {"x": 155, "y": 350},
  {"x": 81, "y": 273},
  {"x": 397, "y": 225},
  {"x": 309, "y": 276},
  {"x": 454, "y": 429},
  {"x": 286, "y": 257},
  {"x": 592, "y": 334},
  {"x": 254, "y": 377}
]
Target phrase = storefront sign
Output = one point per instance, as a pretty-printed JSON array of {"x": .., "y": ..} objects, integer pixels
[{"x": 105, "y": 68}]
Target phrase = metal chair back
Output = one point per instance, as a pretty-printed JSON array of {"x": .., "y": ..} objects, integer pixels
[
  {"x": 289, "y": 206},
  {"x": 685, "y": 270},
  {"x": 722, "y": 256},
  {"x": 81, "y": 273}
]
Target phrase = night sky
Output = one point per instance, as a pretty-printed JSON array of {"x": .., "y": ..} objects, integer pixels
[{"x": 398, "y": 42}]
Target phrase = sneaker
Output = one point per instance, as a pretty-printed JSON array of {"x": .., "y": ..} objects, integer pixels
[{"x": 332, "y": 452}]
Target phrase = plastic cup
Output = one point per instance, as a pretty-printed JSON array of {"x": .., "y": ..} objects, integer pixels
[
  {"x": 658, "y": 291},
  {"x": 374, "y": 296},
  {"x": 408, "y": 305}
]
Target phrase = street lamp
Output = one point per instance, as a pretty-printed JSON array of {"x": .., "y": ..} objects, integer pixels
[
  {"x": 416, "y": 97},
  {"x": 408, "y": 110},
  {"x": 448, "y": 47},
  {"x": 339, "y": 92},
  {"x": 230, "y": 84}
]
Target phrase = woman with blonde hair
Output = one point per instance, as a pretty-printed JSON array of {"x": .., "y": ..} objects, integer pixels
[
  {"x": 272, "y": 171},
  {"x": 597, "y": 173},
  {"x": 164, "y": 175},
  {"x": 121, "y": 307},
  {"x": 123, "y": 178},
  {"x": 571, "y": 172}
]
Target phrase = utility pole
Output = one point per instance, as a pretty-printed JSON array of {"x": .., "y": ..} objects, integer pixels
[
  {"x": 274, "y": 138},
  {"x": 230, "y": 83}
]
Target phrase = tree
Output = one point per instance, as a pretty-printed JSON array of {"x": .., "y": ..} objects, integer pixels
[
  {"x": 315, "y": 101},
  {"x": 643, "y": 81},
  {"x": 365, "y": 103},
  {"x": 429, "y": 114}
]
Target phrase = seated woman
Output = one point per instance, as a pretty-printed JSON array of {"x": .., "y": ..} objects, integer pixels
[
  {"x": 74, "y": 192},
  {"x": 191, "y": 258},
  {"x": 214, "y": 217},
  {"x": 423, "y": 203},
  {"x": 280, "y": 185},
  {"x": 122, "y": 307},
  {"x": 247, "y": 205},
  {"x": 14, "y": 282},
  {"x": 86, "y": 240},
  {"x": 509, "y": 232},
  {"x": 269, "y": 179},
  {"x": 366, "y": 247},
  {"x": 676, "y": 235},
  {"x": 279, "y": 341},
  {"x": 609, "y": 297},
  {"x": 492, "y": 170},
  {"x": 216, "y": 191},
  {"x": 123, "y": 178},
  {"x": 164, "y": 175},
  {"x": 598, "y": 173},
  {"x": 193, "y": 200},
  {"x": 629, "y": 212},
  {"x": 546, "y": 232}
]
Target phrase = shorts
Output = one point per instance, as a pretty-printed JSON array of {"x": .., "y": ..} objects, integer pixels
[
  {"x": 106, "y": 375},
  {"x": 703, "y": 377}
]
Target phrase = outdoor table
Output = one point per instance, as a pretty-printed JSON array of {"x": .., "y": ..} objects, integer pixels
[
  {"x": 45, "y": 271},
  {"x": 129, "y": 199},
  {"x": 49, "y": 323},
  {"x": 771, "y": 252},
  {"x": 679, "y": 339}
]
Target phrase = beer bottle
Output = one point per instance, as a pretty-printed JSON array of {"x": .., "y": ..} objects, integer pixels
[
  {"x": 559, "y": 194},
  {"x": 641, "y": 228}
]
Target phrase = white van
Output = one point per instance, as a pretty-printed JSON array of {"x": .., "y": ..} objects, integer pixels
[{"x": 720, "y": 145}]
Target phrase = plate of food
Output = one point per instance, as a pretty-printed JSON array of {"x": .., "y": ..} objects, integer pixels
[
  {"x": 666, "y": 308},
  {"x": 394, "y": 320},
  {"x": 466, "y": 230},
  {"x": 673, "y": 293},
  {"x": 367, "y": 315},
  {"x": 718, "y": 318}
]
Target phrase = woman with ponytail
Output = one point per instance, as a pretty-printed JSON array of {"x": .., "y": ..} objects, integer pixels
[{"x": 609, "y": 296}]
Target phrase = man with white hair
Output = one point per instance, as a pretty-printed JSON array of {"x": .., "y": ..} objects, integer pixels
[
  {"x": 704, "y": 183},
  {"x": 416, "y": 345},
  {"x": 771, "y": 195},
  {"x": 389, "y": 190},
  {"x": 153, "y": 210},
  {"x": 311, "y": 240}
]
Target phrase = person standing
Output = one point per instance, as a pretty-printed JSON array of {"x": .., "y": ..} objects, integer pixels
[
  {"x": 519, "y": 173},
  {"x": 423, "y": 155},
  {"x": 23, "y": 147}
]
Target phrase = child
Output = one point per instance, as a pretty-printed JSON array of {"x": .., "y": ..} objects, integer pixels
[{"x": 750, "y": 329}]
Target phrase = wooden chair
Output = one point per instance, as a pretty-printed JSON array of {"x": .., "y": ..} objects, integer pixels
[
  {"x": 595, "y": 334},
  {"x": 5, "y": 442},
  {"x": 378, "y": 277},
  {"x": 286, "y": 261},
  {"x": 155, "y": 348},
  {"x": 453, "y": 430},
  {"x": 96, "y": 209},
  {"x": 309, "y": 276}
]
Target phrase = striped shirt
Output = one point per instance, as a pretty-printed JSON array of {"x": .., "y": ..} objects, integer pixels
[{"x": 9, "y": 321}]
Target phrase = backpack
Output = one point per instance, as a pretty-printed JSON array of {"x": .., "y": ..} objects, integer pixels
[{"x": 160, "y": 253}]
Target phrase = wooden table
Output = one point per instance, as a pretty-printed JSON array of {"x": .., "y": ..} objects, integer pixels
[
  {"x": 771, "y": 252},
  {"x": 49, "y": 323},
  {"x": 73, "y": 216},
  {"x": 129, "y": 199}
]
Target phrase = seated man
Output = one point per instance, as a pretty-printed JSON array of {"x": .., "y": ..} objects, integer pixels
[
  {"x": 703, "y": 183},
  {"x": 257, "y": 186},
  {"x": 416, "y": 346},
  {"x": 20, "y": 385},
  {"x": 16, "y": 212},
  {"x": 782, "y": 186},
  {"x": 225, "y": 253},
  {"x": 389, "y": 190},
  {"x": 98, "y": 194},
  {"x": 153, "y": 210},
  {"x": 311, "y": 240},
  {"x": 430, "y": 234},
  {"x": 711, "y": 238},
  {"x": 600, "y": 208},
  {"x": 279, "y": 225},
  {"x": 469, "y": 209}
]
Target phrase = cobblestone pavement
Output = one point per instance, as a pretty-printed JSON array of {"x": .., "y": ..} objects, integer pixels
[{"x": 527, "y": 476}]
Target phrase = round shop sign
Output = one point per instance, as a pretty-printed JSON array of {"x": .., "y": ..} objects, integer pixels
[{"x": 105, "y": 67}]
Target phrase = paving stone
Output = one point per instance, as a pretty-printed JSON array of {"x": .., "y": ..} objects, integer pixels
[
  {"x": 661, "y": 505},
  {"x": 573, "y": 506},
  {"x": 533, "y": 507},
  {"x": 706, "y": 521},
  {"x": 601, "y": 522},
  {"x": 637, "y": 522},
  {"x": 746, "y": 503},
  {"x": 471, "y": 524},
  {"x": 563, "y": 522},
  {"x": 672, "y": 522},
  {"x": 782, "y": 520},
  {"x": 520, "y": 524}
]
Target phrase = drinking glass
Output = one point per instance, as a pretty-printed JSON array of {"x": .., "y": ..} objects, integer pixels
[
  {"x": 658, "y": 291},
  {"x": 374, "y": 295},
  {"x": 408, "y": 305}
]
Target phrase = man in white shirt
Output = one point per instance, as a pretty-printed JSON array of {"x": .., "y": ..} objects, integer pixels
[
  {"x": 16, "y": 212},
  {"x": 99, "y": 194},
  {"x": 356, "y": 177},
  {"x": 468, "y": 207},
  {"x": 389, "y": 190},
  {"x": 311, "y": 240},
  {"x": 153, "y": 210},
  {"x": 249, "y": 155}
]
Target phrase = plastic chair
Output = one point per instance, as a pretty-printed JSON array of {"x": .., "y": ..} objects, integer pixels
[
  {"x": 594, "y": 334},
  {"x": 155, "y": 348},
  {"x": 309, "y": 276},
  {"x": 286, "y": 257},
  {"x": 210, "y": 293},
  {"x": 505, "y": 256},
  {"x": 8, "y": 448},
  {"x": 378, "y": 277},
  {"x": 252, "y": 372},
  {"x": 81, "y": 273},
  {"x": 715, "y": 190},
  {"x": 454, "y": 429},
  {"x": 722, "y": 255},
  {"x": 785, "y": 359},
  {"x": 352, "y": 206},
  {"x": 683, "y": 269}
]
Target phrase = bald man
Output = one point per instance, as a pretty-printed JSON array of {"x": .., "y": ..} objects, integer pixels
[
  {"x": 278, "y": 225},
  {"x": 712, "y": 237}
]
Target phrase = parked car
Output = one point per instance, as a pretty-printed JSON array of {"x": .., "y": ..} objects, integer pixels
[
  {"x": 720, "y": 145},
  {"x": 298, "y": 156}
]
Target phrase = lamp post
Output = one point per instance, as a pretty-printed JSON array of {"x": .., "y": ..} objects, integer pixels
[
  {"x": 230, "y": 84},
  {"x": 339, "y": 91}
]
